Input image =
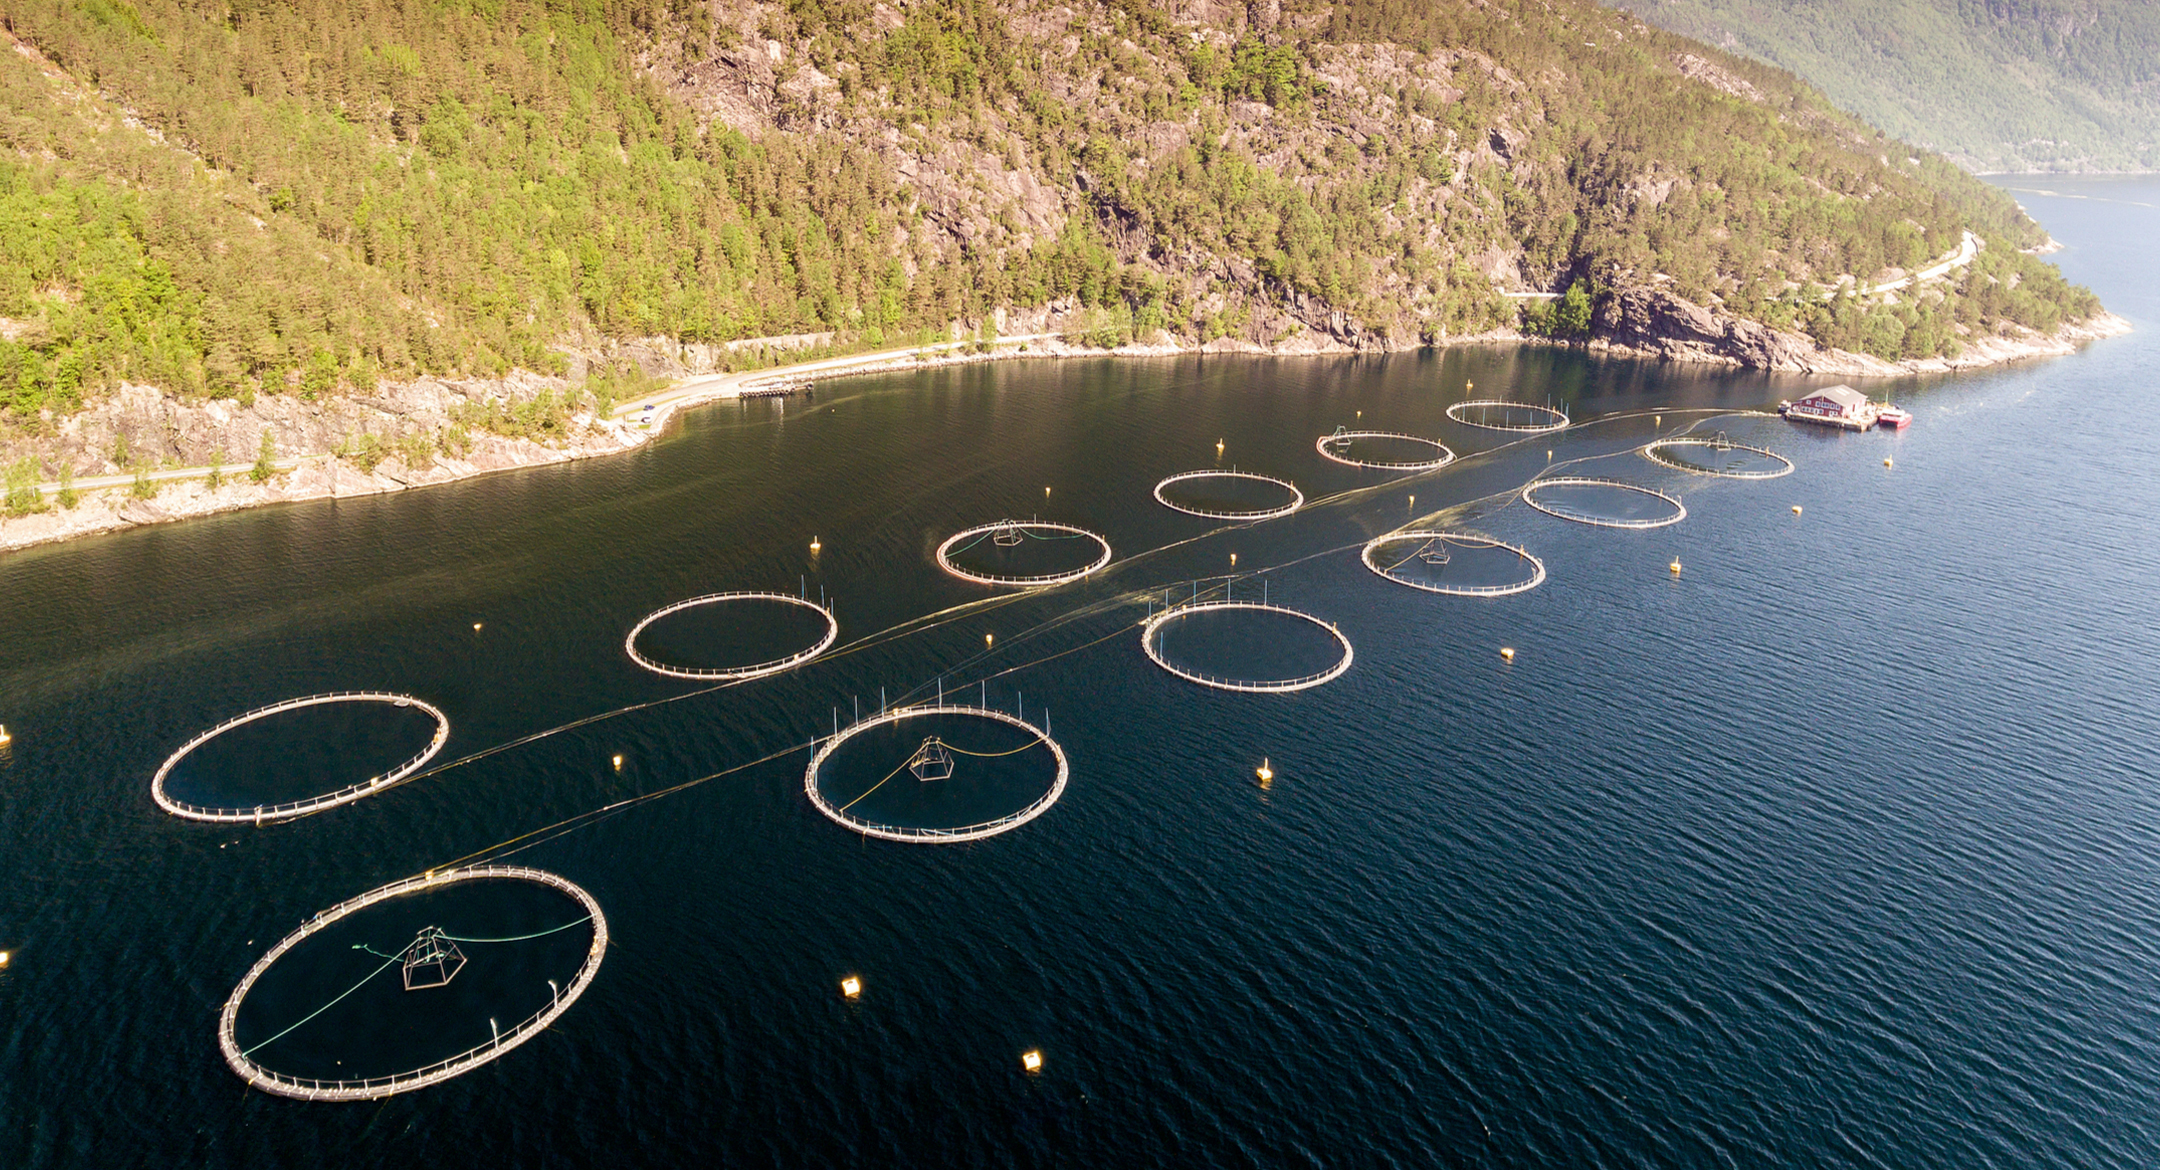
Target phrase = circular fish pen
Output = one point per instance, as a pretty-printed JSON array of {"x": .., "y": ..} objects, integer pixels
[
  {"x": 1717, "y": 455},
  {"x": 1606, "y": 503},
  {"x": 1154, "y": 637},
  {"x": 922, "y": 788},
  {"x": 160, "y": 789},
  {"x": 1455, "y": 563},
  {"x": 1425, "y": 454},
  {"x": 1216, "y": 497},
  {"x": 432, "y": 961},
  {"x": 1520, "y": 417},
  {"x": 820, "y": 615},
  {"x": 1008, "y": 544}
]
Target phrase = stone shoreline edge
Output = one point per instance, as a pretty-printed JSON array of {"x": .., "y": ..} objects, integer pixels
[{"x": 324, "y": 476}]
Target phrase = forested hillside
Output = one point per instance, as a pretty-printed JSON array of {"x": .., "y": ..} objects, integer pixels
[
  {"x": 233, "y": 197},
  {"x": 1999, "y": 85}
]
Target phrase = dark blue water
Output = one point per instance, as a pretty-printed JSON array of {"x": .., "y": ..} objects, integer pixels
[{"x": 1837, "y": 849}]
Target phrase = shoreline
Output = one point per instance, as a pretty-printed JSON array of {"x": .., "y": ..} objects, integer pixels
[{"x": 107, "y": 503}]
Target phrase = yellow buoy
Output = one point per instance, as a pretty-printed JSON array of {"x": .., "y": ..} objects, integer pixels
[
  {"x": 1031, "y": 1060},
  {"x": 1507, "y": 653},
  {"x": 851, "y": 987},
  {"x": 5, "y": 738},
  {"x": 1413, "y": 501},
  {"x": 1675, "y": 566},
  {"x": 3, "y": 958},
  {"x": 1657, "y": 420},
  {"x": 1233, "y": 560},
  {"x": 987, "y": 639},
  {"x": 1796, "y": 509},
  {"x": 1886, "y": 463},
  {"x": 476, "y": 627},
  {"x": 814, "y": 545},
  {"x": 618, "y": 763},
  {"x": 1361, "y": 414},
  {"x": 1265, "y": 773},
  {"x": 1046, "y": 492}
]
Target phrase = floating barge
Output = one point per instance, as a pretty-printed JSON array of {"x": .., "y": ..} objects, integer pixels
[{"x": 1839, "y": 406}]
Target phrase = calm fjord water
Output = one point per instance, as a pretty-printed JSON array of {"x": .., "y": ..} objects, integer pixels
[{"x": 1836, "y": 850}]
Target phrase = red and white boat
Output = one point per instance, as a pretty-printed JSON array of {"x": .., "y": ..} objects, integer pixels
[{"x": 1895, "y": 418}]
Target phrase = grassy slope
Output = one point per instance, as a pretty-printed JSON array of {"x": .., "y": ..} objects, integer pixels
[{"x": 1998, "y": 84}]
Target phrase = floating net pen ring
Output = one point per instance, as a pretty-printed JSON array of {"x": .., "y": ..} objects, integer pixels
[
  {"x": 1655, "y": 452},
  {"x": 1553, "y": 420},
  {"x": 1148, "y": 640},
  {"x": 734, "y": 673},
  {"x": 370, "y": 1088},
  {"x": 271, "y": 813},
  {"x": 1679, "y": 510},
  {"x": 1462, "y": 540},
  {"x": 997, "y": 531},
  {"x": 1297, "y": 498},
  {"x": 1347, "y": 437},
  {"x": 931, "y": 836}
]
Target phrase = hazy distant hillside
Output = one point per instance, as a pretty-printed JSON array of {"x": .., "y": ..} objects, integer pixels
[
  {"x": 221, "y": 198},
  {"x": 1999, "y": 85}
]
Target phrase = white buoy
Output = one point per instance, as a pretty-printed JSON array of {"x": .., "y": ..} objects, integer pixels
[
  {"x": 1886, "y": 463},
  {"x": 1265, "y": 773},
  {"x": 3, "y": 958},
  {"x": 1507, "y": 653},
  {"x": 618, "y": 763},
  {"x": 987, "y": 638},
  {"x": 1675, "y": 566},
  {"x": 476, "y": 627},
  {"x": 1046, "y": 492},
  {"x": 1031, "y": 1060},
  {"x": 5, "y": 738},
  {"x": 851, "y": 987},
  {"x": 1796, "y": 509},
  {"x": 814, "y": 545},
  {"x": 1233, "y": 560}
]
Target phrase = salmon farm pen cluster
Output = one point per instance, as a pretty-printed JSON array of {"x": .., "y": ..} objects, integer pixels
[
  {"x": 1459, "y": 540},
  {"x": 1343, "y": 438},
  {"x": 933, "y": 836},
  {"x": 734, "y": 673},
  {"x": 1297, "y": 498},
  {"x": 1520, "y": 417},
  {"x": 269, "y": 813},
  {"x": 1664, "y": 453},
  {"x": 1529, "y": 495},
  {"x": 1011, "y": 532},
  {"x": 312, "y": 1089},
  {"x": 1151, "y": 637}
]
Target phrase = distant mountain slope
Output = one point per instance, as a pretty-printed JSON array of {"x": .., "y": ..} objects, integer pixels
[
  {"x": 1998, "y": 85},
  {"x": 301, "y": 199}
]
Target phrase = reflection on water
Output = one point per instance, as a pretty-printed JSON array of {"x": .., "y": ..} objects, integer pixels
[{"x": 1835, "y": 849}]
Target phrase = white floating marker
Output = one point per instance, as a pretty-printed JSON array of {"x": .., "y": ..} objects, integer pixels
[
  {"x": 1265, "y": 773},
  {"x": 5, "y": 738},
  {"x": 851, "y": 987},
  {"x": 1507, "y": 653},
  {"x": 1233, "y": 560},
  {"x": 1796, "y": 509},
  {"x": 1675, "y": 566},
  {"x": 1886, "y": 463},
  {"x": 814, "y": 545},
  {"x": 3, "y": 958},
  {"x": 1031, "y": 1060},
  {"x": 987, "y": 639},
  {"x": 476, "y": 627},
  {"x": 618, "y": 763}
]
